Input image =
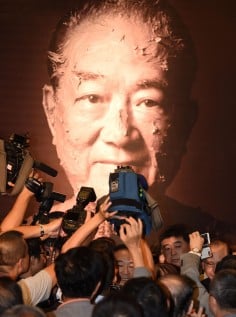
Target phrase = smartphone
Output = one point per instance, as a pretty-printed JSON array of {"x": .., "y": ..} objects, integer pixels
[{"x": 206, "y": 250}]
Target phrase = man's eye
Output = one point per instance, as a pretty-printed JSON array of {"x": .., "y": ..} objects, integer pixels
[
  {"x": 178, "y": 246},
  {"x": 93, "y": 98},
  {"x": 148, "y": 103},
  {"x": 165, "y": 249},
  {"x": 90, "y": 98}
]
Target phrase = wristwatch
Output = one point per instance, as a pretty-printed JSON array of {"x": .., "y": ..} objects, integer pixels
[{"x": 196, "y": 251}]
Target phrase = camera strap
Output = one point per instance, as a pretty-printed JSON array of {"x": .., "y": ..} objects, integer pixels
[
  {"x": 157, "y": 220},
  {"x": 3, "y": 170},
  {"x": 24, "y": 172}
]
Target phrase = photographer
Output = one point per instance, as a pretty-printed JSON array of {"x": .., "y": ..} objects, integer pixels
[
  {"x": 219, "y": 250},
  {"x": 131, "y": 234},
  {"x": 90, "y": 225},
  {"x": 38, "y": 287},
  {"x": 190, "y": 264},
  {"x": 15, "y": 217}
]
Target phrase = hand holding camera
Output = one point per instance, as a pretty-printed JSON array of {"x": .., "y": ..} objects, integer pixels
[
  {"x": 131, "y": 232},
  {"x": 200, "y": 244}
]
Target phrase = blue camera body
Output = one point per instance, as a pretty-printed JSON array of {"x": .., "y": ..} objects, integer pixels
[{"x": 126, "y": 189}]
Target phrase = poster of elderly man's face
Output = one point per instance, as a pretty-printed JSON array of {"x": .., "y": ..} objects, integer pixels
[{"x": 107, "y": 89}]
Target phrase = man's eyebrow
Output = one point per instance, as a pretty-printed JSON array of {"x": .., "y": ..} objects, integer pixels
[
  {"x": 166, "y": 245},
  {"x": 153, "y": 83},
  {"x": 87, "y": 75},
  {"x": 142, "y": 84}
]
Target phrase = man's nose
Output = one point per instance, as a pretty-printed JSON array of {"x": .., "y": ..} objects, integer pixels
[
  {"x": 173, "y": 251},
  {"x": 117, "y": 124},
  {"x": 125, "y": 269}
]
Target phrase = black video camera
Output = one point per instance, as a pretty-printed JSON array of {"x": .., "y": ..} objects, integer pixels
[
  {"x": 16, "y": 163},
  {"x": 44, "y": 194},
  {"x": 76, "y": 216}
]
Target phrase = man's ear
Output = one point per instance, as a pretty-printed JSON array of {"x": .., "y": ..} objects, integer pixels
[
  {"x": 49, "y": 106},
  {"x": 20, "y": 266}
]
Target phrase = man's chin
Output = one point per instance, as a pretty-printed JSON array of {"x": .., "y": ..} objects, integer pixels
[
  {"x": 175, "y": 262},
  {"x": 99, "y": 178}
]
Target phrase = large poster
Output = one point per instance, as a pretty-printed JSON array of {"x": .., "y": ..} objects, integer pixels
[{"x": 198, "y": 189}]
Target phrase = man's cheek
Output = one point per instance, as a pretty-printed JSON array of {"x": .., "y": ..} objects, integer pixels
[{"x": 77, "y": 133}]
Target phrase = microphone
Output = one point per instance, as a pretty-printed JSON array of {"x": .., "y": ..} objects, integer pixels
[{"x": 45, "y": 168}]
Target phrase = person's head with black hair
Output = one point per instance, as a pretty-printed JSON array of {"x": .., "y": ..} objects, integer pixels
[
  {"x": 120, "y": 80},
  {"x": 149, "y": 294},
  {"x": 222, "y": 293},
  {"x": 10, "y": 293},
  {"x": 80, "y": 271},
  {"x": 105, "y": 246},
  {"x": 117, "y": 305},
  {"x": 174, "y": 241}
]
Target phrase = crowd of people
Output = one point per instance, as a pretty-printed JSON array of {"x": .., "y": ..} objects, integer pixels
[{"x": 96, "y": 271}]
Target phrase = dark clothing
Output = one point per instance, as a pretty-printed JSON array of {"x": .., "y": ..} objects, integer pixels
[{"x": 206, "y": 283}]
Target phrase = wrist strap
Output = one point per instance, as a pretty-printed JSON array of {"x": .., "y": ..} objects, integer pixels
[{"x": 42, "y": 232}]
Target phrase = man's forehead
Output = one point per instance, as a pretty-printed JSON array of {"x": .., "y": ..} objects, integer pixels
[
  {"x": 172, "y": 240},
  {"x": 114, "y": 33},
  {"x": 127, "y": 261}
]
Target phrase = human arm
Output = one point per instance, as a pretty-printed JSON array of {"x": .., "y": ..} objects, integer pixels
[
  {"x": 40, "y": 230},
  {"x": 16, "y": 214},
  {"x": 80, "y": 235},
  {"x": 190, "y": 263},
  {"x": 148, "y": 257}
]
